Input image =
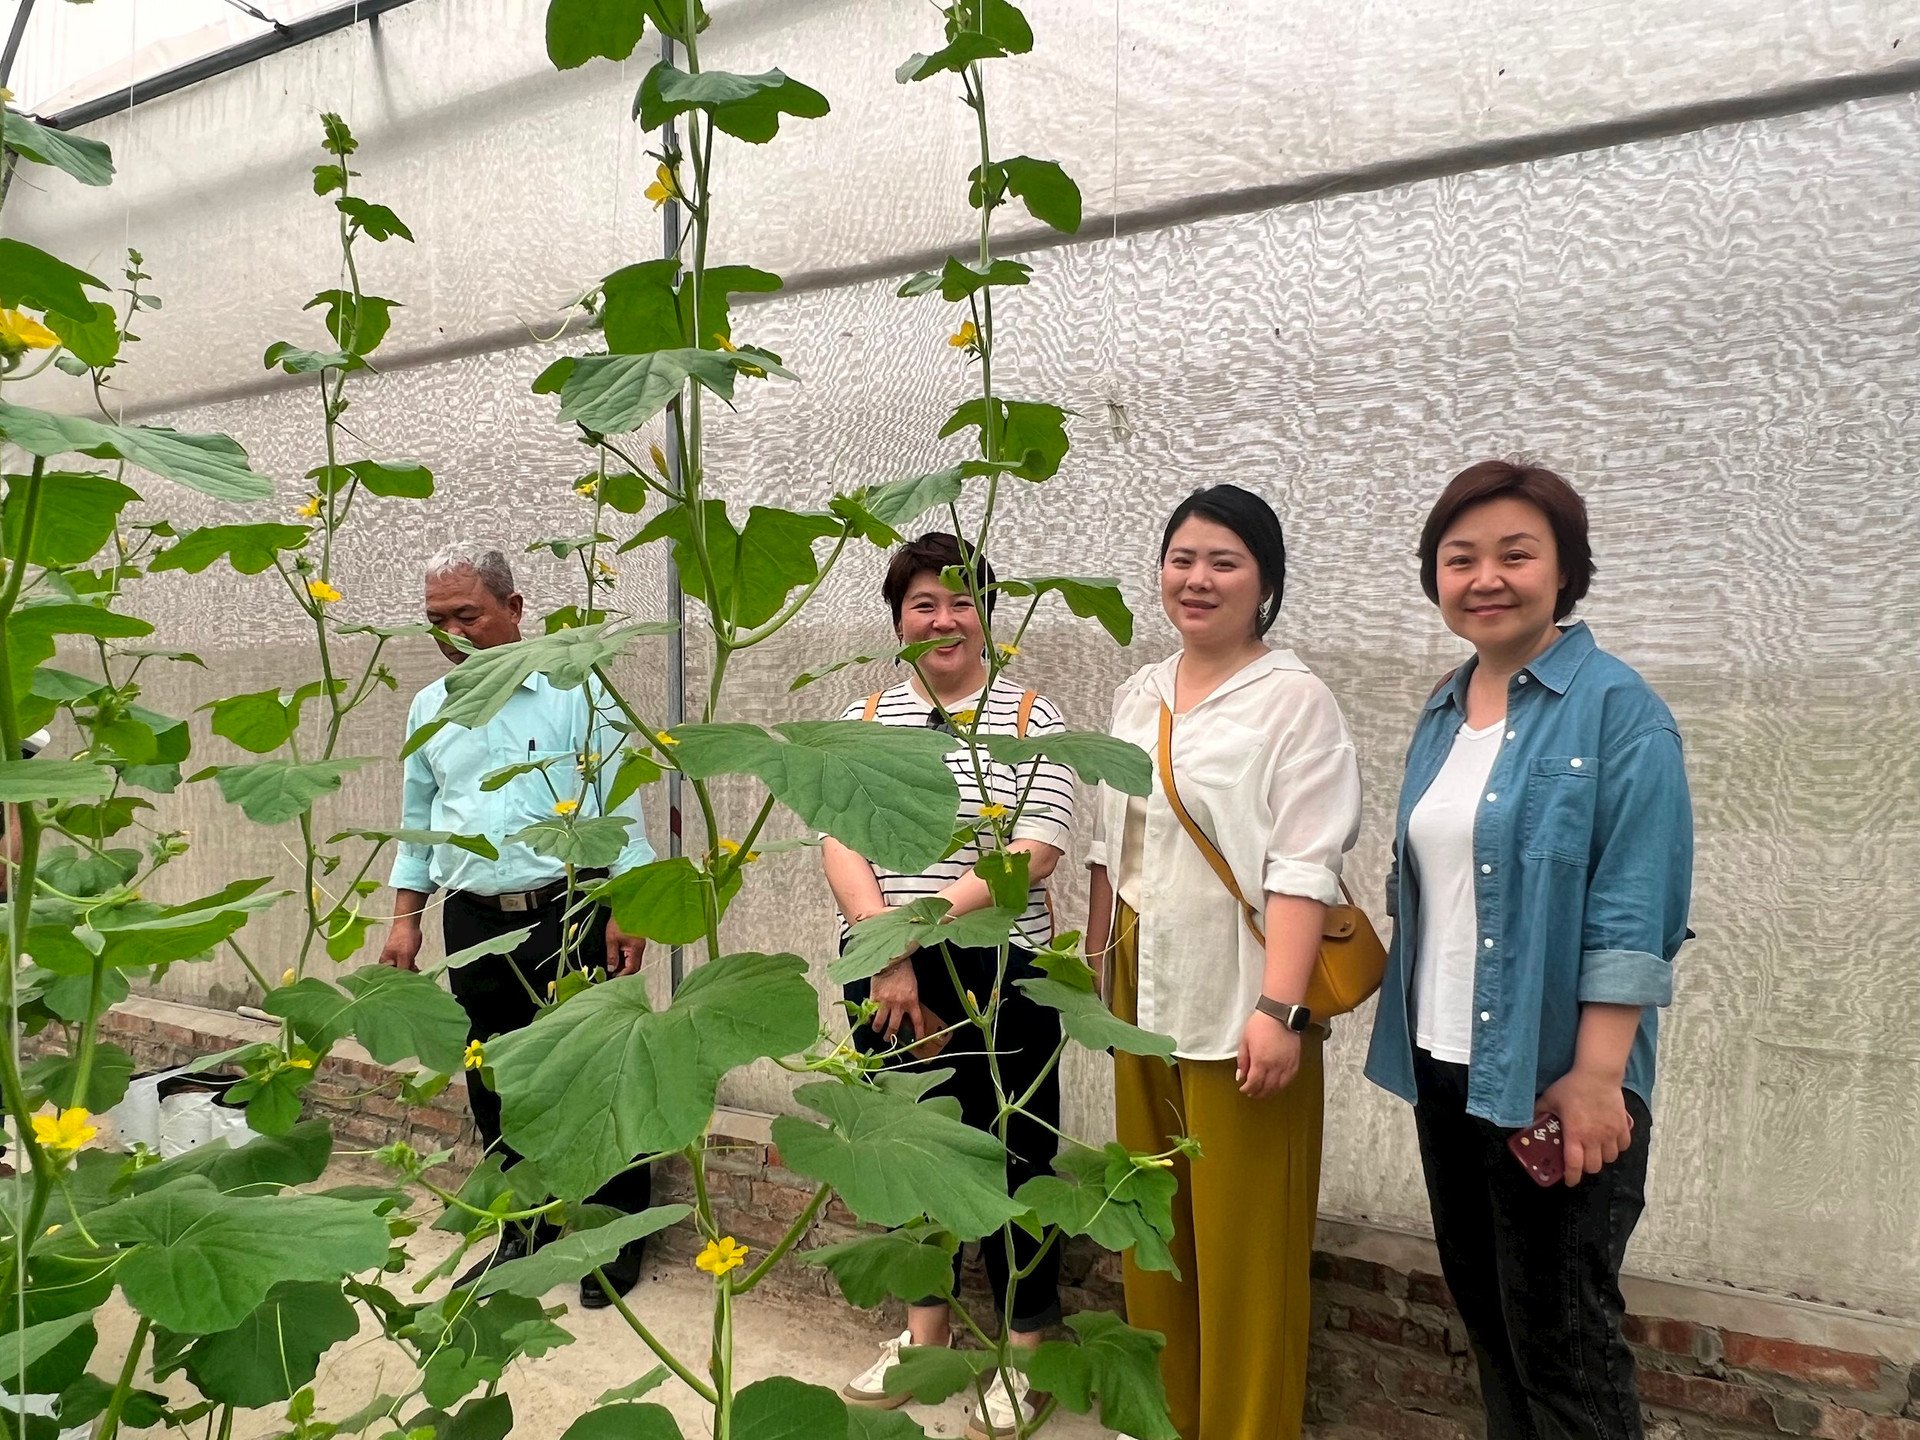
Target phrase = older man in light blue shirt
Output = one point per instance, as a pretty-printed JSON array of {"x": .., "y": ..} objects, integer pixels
[{"x": 561, "y": 751}]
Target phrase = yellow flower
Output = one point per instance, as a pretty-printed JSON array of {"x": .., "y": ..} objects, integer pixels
[
  {"x": 20, "y": 333},
  {"x": 65, "y": 1133},
  {"x": 584, "y": 489},
  {"x": 730, "y": 848},
  {"x": 747, "y": 367},
  {"x": 724, "y": 343},
  {"x": 721, "y": 1255},
  {"x": 587, "y": 762},
  {"x": 1155, "y": 1162},
  {"x": 967, "y": 338},
  {"x": 322, "y": 591},
  {"x": 665, "y": 187},
  {"x": 964, "y": 717},
  {"x": 299, "y": 1063},
  {"x": 551, "y": 986},
  {"x": 5, "y": 96},
  {"x": 476, "y": 1053},
  {"x": 565, "y": 807},
  {"x": 1007, "y": 652},
  {"x": 662, "y": 738},
  {"x": 287, "y": 977},
  {"x": 310, "y": 510},
  {"x": 607, "y": 572},
  {"x": 659, "y": 457},
  {"x": 993, "y": 812}
]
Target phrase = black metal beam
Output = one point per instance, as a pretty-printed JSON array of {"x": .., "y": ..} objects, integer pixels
[
  {"x": 13, "y": 40},
  {"x": 220, "y": 62}
]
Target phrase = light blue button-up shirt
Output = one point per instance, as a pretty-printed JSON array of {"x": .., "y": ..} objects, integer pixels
[
  {"x": 1583, "y": 868},
  {"x": 441, "y": 789}
]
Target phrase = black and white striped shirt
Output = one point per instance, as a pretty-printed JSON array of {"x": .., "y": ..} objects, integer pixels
[{"x": 1047, "y": 786}]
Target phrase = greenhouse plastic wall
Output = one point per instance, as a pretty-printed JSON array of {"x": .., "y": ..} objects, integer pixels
[{"x": 1713, "y": 331}]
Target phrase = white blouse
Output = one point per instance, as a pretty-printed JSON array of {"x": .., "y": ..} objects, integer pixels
[{"x": 1265, "y": 765}]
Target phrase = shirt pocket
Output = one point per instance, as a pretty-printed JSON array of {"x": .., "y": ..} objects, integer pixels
[
  {"x": 528, "y": 794},
  {"x": 1217, "y": 754},
  {"x": 1558, "y": 824}
]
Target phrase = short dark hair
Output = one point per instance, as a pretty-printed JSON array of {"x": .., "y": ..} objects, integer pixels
[
  {"x": 931, "y": 554},
  {"x": 1547, "y": 492},
  {"x": 1253, "y": 520}
]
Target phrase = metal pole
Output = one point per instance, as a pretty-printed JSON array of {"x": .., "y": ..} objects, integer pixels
[
  {"x": 13, "y": 41},
  {"x": 676, "y": 603}
]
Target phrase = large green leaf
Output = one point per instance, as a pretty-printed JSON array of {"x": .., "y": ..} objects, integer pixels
[
  {"x": 876, "y": 943},
  {"x": 142, "y": 933},
  {"x": 211, "y": 464},
  {"x": 956, "y": 55},
  {"x": 1103, "y": 1193},
  {"x": 893, "y": 1160},
  {"x": 481, "y": 684},
  {"x": 882, "y": 790},
  {"x": 592, "y": 844},
  {"x": 357, "y": 323},
  {"x": 782, "y": 1408},
  {"x": 35, "y": 280},
  {"x": 56, "y": 1076},
  {"x": 666, "y": 900},
  {"x": 377, "y": 222},
  {"x": 21, "y": 1349},
  {"x": 407, "y": 479},
  {"x": 248, "y": 548},
  {"x": 908, "y": 1264},
  {"x": 259, "y": 721},
  {"x": 754, "y": 570},
  {"x": 471, "y": 1343},
  {"x": 263, "y": 1164},
  {"x": 611, "y": 394},
  {"x": 32, "y": 637},
  {"x": 24, "y": 780},
  {"x": 1097, "y": 758},
  {"x": 866, "y": 1424},
  {"x": 563, "y": 1261},
  {"x": 956, "y": 280},
  {"x": 877, "y": 512},
  {"x": 87, "y": 161},
  {"x": 747, "y": 107},
  {"x": 604, "y": 1078},
  {"x": 473, "y": 844},
  {"x": 1027, "y": 434},
  {"x": 203, "y": 1261},
  {"x": 583, "y": 30},
  {"x": 639, "y": 308},
  {"x": 276, "y": 1350},
  {"x": 273, "y": 792},
  {"x": 94, "y": 342},
  {"x": 1067, "y": 986},
  {"x": 1090, "y": 599},
  {"x": 624, "y": 1422},
  {"x": 77, "y": 518},
  {"x": 1114, "y": 1362},
  {"x": 396, "y": 1014},
  {"x": 1047, "y": 191},
  {"x": 932, "y": 1374}
]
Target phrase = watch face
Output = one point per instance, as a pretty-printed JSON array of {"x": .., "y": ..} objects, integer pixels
[{"x": 1299, "y": 1019}]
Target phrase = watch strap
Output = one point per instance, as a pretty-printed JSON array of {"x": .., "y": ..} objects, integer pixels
[{"x": 1296, "y": 1018}]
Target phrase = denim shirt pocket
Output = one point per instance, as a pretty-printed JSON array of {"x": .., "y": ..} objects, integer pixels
[{"x": 1558, "y": 822}]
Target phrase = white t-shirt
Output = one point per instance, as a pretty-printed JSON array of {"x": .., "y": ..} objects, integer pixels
[{"x": 1440, "y": 832}]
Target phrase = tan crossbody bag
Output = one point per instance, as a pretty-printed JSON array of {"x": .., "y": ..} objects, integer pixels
[{"x": 1352, "y": 960}]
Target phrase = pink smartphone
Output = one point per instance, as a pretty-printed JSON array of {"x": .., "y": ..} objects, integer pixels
[{"x": 1539, "y": 1150}]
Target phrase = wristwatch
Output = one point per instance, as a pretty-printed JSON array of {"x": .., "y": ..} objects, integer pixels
[{"x": 1295, "y": 1017}]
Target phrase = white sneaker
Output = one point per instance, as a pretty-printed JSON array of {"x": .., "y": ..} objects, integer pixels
[
  {"x": 869, "y": 1387},
  {"x": 1002, "y": 1411}
]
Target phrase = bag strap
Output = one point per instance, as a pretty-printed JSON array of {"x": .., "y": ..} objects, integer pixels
[
  {"x": 1026, "y": 712},
  {"x": 873, "y": 705},
  {"x": 1194, "y": 833}
]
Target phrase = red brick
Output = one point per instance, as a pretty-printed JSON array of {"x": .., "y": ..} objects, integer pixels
[
  {"x": 1424, "y": 1289},
  {"x": 439, "y": 1122},
  {"x": 1427, "y": 1386},
  {"x": 1890, "y": 1427},
  {"x": 1811, "y": 1364},
  {"x": 1698, "y": 1395},
  {"x": 1838, "y": 1423},
  {"x": 1672, "y": 1337},
  {"x": 1384, "y": 1420}
]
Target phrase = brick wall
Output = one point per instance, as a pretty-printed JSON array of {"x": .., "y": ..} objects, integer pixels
[{"x": 1389, "y": 1355}]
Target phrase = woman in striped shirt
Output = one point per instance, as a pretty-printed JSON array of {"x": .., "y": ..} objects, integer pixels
[{"x": 915, "y": 997}]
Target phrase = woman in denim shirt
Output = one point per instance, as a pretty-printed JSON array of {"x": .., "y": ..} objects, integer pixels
[{"x": 1543, "y": 854}]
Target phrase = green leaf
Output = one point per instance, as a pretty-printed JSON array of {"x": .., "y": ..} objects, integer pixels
[
  {"x": 1097, "y": 758},
  {"x": 958, "y": 53},
  {"x": 94, "y": 341},
  {"x": 211, "y": 464},
  {"x": 34, "y": 280},
  {"x": 496, "y": 945},
  {"x": 782, "y": 1408},
  {"x": 908, "y": 1264},
  {"x": 634, "y": 1389},
  {"x": 265, "y": 1163},
  {"x": 55, "y": 1076},
  {"x": 666, "y": 900},
  {"x": 298, "y": 360},
  {"x": 583, "y": 30},
  {"x": 376, "y": 222},
  {"x": 482, "y": 683},
  {"x": 249, "y": 549},
  {"x": 1116, "y": 1363},
  {"x": 273, "y": 792},
  {"x": 904, "y": 653},
  {"x": 611, "y": 394},
  {"x": 203, "y": 1261},
  {"x": 1006, "y": 873},
  {"x": 396, "y": 1014},
  {"x": 893, "y": 1160},
  {"x": 19, "y": 1349},
  {"x": 336, "y": 138},
  {"x": 269, "y": 1355},
  {"x": 882, "y": 790},
  {"x": 1089, "y": 598},
  {"x": 1031, "y": 436},
  {"x": 1084, "y": 1015},
  {"x": 473, "y": 844},
  {"x": 931, "y": 1375},
  {"x": 1047, "y": 191},
  {"x": 259, "y": 721},
  {"x": 78, "y": 518},
  {"x": 604, "y": 1078},
  {"x": 357, "y": 325},
  {"x": 640, "y": 310},
  {"x": 866, "y": 1424},
  {"x": 878, "y": 512},
  {"x": 406, "y": 478},
  {"x": 957, "y": 280},
  {"x": 1000, "y": 21},
  {"x": 87, "y": 161},
  {"x": 720, "y": 284},
  {"x": 874, "y": 944},
  {"x": 624, "y": 1422},
  {"x": 747, "y": 107},
  {"x": 1104, "y": 1194},
  {"x": 329, "y": 178},
  {"x": 24, "y": 780},
  {"x": 563, "y": 1261},
  {"x": 585, "y": 844},
  {"x": 755, "y": 569},
  {"x": 637, "y": 768}
]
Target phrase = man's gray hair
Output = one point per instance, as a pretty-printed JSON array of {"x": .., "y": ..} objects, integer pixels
[{"x": 488, "y": 562}]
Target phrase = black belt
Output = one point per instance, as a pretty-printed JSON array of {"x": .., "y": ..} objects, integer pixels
[{"x": 517, "y": 902}]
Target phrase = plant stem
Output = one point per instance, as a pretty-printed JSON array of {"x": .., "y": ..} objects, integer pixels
[
  {"x": 667, "y": 1358},
  {"x": 787, "y": 1241},
  {"x": 110, "y": 1420}
]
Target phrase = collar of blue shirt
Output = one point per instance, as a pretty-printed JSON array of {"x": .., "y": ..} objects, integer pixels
[{"x": 1553, "y": 668}]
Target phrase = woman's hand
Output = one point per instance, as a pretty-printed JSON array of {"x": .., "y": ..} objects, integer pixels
[
  {"x": 1269, "y": 1057},
  {"x": 896, "y": 990},
  {"x": 1594, "y": 1124}
]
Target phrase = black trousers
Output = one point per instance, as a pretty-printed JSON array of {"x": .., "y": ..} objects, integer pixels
[
  {"x": 497, "y": 1002},
  {"x": 1535, "y": 1272},
  {"x": 1025, "y": 1037}
]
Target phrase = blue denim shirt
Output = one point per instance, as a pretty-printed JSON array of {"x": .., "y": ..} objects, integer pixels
[{"x": 1583, "y": 859}]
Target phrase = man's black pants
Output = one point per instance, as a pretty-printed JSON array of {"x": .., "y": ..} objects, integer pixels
[
  {"x": 497, "y": 1002},
  {"x": 1025, "y": 1036},
  {"x": 1535, "y": 1272}
]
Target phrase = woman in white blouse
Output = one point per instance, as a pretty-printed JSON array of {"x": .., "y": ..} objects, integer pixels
[{"x": 1264, "y": 766}]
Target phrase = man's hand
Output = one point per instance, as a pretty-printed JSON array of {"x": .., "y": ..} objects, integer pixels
[
  {"x": 1269, "y": 1057},
  {"x": 625, "y": 953},
  {"x": 402, "y": 949},
  {"x": 1594, "y": 1123},
  {"x": 896, "y": 990}
]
